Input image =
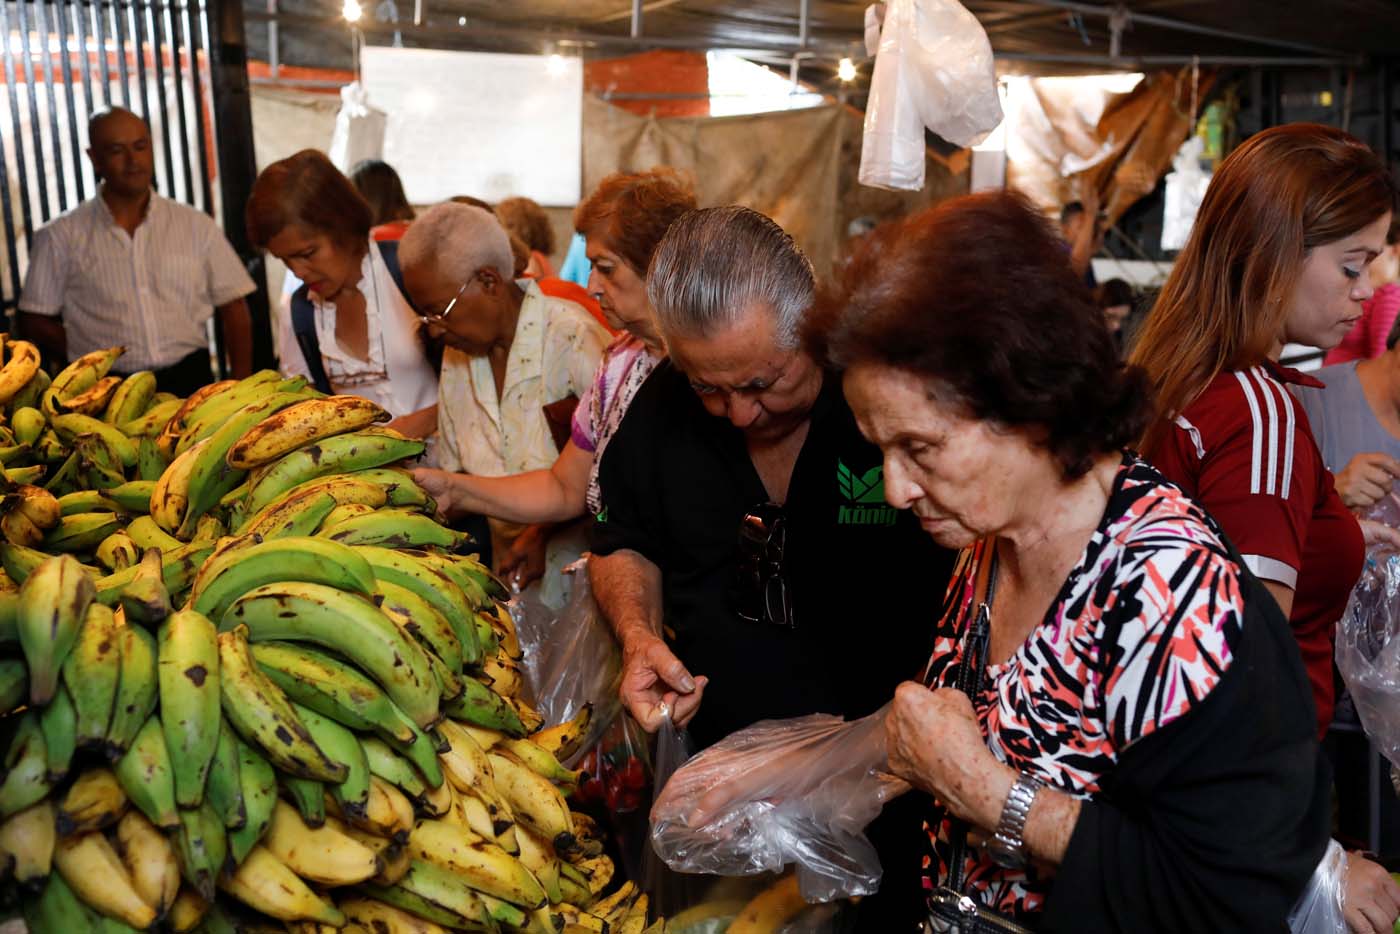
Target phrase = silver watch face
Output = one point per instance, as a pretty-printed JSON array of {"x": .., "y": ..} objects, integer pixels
[{"x": 1005, "y": 854}]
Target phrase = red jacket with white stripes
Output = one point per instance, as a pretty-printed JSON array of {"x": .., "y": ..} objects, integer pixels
[{"x": 1244, "y": 450}]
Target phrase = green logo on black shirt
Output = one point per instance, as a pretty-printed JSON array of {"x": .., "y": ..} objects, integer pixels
[{"x": 866, "y": 494}]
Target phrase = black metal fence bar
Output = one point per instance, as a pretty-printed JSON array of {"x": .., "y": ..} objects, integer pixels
[
  {"x": 139, "y": 40},
  {"x": 16, "y": 125},
  {"x": 75, "y": 146},
  {"x": 153, "y": 25},
  {"x": 35, "y": 127},
  {"x": 177, "y": 50},
  {"x": 99, "y": 31},
  {"x": 119, "y": 34}
]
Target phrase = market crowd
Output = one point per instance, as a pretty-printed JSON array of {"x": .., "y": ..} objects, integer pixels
[{"x": 1100, "y": 596}]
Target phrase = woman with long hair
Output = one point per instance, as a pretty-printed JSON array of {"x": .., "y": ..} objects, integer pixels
[{"x": 1278, "y": 254}]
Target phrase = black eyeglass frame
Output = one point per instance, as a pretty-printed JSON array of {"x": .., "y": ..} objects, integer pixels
[{"x": 761, "y": 592}]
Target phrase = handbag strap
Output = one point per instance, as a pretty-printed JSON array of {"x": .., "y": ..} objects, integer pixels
[{"x": 970, "y": 676}]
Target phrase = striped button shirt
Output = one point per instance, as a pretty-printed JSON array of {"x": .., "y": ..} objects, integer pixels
[
  {"x": 1244, "y": 450},
  {"x": 153, "y": 291}
]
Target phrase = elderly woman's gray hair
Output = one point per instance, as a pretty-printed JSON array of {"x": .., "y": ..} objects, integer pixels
[
  {"x": 714, "y": 264},
  {"x": 460, "y": 240}
]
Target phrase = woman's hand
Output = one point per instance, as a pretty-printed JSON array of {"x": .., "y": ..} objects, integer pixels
[
  {"x": 1366, "y": 479},
  {"x": 652, "y": 676},
  {"x": 1378, "y": 533},
  {"x": 1370, "y": 897},
  {"x": 441, "y": 485},
  {"x": 935, "y": 743},
  {"x": 524, "y": 561}
]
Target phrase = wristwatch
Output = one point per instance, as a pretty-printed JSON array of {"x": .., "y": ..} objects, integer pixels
[{"x": 1006, "y": 846}]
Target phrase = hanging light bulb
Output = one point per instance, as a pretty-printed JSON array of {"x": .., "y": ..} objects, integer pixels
[
  {"x": 351, "y": 11},
  {"x": 845, "y": 70}
]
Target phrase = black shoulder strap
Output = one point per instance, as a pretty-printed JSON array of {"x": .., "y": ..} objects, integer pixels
[{"x": 304, "y": 327}]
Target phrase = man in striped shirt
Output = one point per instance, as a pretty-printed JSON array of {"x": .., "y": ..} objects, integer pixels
[{"x": 133, "y": 268}]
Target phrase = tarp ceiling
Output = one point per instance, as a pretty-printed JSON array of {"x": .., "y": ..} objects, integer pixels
[{"x": 1063, "y": 35}]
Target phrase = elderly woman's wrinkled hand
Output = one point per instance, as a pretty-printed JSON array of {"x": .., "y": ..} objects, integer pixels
[
  {"x": 652, "y": 676},
  {"x": 936, "y": 744}
]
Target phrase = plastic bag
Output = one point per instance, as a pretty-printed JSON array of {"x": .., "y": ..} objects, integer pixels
[
  {"x": 1368, "y": 651},
  {"x": 1319, "y": 910},
  {"x": 670, "y": 892},
  {"x": 934, "y": 69},
  {"x": 571, "y": 658},
  {"x": 359, "y": 129},
  {"x": 782, "y": 792},
  {"x": 1186, "y": 186},
  {"x": 1386, "y": 511}
]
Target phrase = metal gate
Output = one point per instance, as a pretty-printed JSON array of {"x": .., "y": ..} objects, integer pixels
[{"x": 65, "y": 59}]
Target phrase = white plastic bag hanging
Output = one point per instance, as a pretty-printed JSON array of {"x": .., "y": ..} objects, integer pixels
[
  {"x": 1186, "y": 186},
  {"x": 1319, "y": 909},
  {"x": 359, "y": 129},
  {"x": 934, "y": 69},
  {"x": 782, "y": 792}
]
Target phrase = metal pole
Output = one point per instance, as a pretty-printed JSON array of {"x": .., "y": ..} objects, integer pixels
[
  {"x": 41, "y": 28},
  {"x": 156, "y": 24},
  {"x": 138, "y": 36},
  {"x": 119, "y": 32},
  {"x": 417, "y": 12},
  {"x": 802, "y": 12},
  {"x": 177, "y": 50},
  {"x": 274, "y": 53},
  {"x": 1090, "y": 9},
  {"x": 34, "y": 128},
  {"x": 194, "y": 26},
  {"x": 16, "y": 131},
  {"x": 62, "y": 30},
  {"x": 636, "y": 19},
  {"x": 233, "y": 108}
]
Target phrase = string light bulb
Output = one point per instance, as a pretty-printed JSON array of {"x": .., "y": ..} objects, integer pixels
[
  {"x": 351, "y": 11},
  {"x": 845, "y": 70}
]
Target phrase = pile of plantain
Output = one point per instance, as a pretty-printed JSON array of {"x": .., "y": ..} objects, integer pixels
[{"x": 249, "y": 683}]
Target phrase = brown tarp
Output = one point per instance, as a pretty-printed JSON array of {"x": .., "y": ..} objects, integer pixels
[{"x": 1124, "y": 153}]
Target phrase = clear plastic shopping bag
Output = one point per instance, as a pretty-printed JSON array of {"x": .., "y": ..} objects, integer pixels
[
  {"x": 1319, "y": 910},
  {"x": 796, "y": 792},
  {"x": 1368, "y": 651},
  {"x": 571, "y": 657}
]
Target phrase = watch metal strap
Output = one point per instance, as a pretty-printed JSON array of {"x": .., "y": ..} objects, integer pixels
[{"x": 1011, "y": 828}]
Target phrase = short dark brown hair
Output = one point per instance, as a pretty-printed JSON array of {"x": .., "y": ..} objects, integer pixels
[
  {"x": 382, "y": 189},
  {"x": 631, "y": 211},
  {"x": 528, "y": 221},
  {"x": 306, "y": 189},
  {"x": 976, "y": 294}
]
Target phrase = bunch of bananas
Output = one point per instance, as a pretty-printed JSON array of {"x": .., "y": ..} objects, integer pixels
[{"x": 249, "y": 683}]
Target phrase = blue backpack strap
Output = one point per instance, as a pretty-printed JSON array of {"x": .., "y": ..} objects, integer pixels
[{"x": 304, "y": 327}]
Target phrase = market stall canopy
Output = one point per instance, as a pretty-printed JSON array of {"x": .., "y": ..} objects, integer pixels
[{"x": 1044, "y": 35}]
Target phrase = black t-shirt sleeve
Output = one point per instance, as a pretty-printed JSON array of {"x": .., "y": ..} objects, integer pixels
[{"x": 625, "y": 483}]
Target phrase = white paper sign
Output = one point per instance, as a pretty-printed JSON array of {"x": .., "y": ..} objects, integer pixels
[{"x": 479, "y": 123}]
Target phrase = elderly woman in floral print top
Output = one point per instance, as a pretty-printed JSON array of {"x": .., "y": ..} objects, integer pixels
[{"x": 1137, "y": 753}]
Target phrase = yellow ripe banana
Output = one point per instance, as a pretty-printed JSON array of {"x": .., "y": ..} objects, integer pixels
[
  {"x": 465, "y": 762},
  {"x": 567, "y": 738},
  {"x": 265, "y": 883},
  {"x": 538, "y": 856},
  {"x": 94, "y": 801},
  {"x": 541, "y": 761},
  {"x": 80, "y": 375},
  {"x": 500, "y": 619},
  {"x": 52, "y": 605},
  {"x": 323, "y": 854},
  {"x": 393, "y": 857},
  {"x": 38, "y": 505},
  {"x": 97, "y": 876},
  {"x": 302, "y": 424},
  {"x": 534, "y": 800},
  {"x": 92, "y": 401},
  {"x": 28, "y": 838},
  {"x": 504, "y": 674},
  {"x": 150, "y": 860},
  {"x": 175, "y": 424},
  {"x": 618, "y": 902},
  {"x": 171, "y": 497},
  {"x": 341, "y": 489},
  {"x": 19, "y": 369},
  {"x": 770, "y": 909},
  {"x": 531, "y": 718},
  {"x": 18, "y": 529},
  {"x": 117, "y": 551},
  {"x": 370, "y": 915},
  {"x": 388, "y": 807},
  {"x": 132, "y": 398},
  {"x": 485, "y": 866},
  {"x": 187, "y": 912}
]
